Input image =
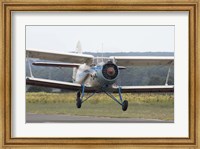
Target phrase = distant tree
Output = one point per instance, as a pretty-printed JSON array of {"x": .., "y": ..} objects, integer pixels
[
  {"x": 155, "y": 80},
  {"x": 38, "y": 89}
]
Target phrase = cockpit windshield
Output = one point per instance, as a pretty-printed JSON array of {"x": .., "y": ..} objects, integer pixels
[{"x": 98, "y": 60}]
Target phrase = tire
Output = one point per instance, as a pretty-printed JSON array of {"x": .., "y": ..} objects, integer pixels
[
  {"x": 78, "y": 95},
  {"x": 124, "y": 105},
  {"x": 78, "y": 103}
]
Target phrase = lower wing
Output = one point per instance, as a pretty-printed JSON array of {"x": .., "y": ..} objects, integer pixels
[
  {"x": 77, "y": 87},
  {"x": 56, "y": 84},
  {"x": 144, "y": 89},
  {"x": 56, "y": 64}
]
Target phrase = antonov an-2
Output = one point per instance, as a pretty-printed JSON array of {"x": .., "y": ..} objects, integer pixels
[{"x": 96, "y": 74}]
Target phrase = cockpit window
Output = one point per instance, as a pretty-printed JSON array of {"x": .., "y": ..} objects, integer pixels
[{"x": 98, "y": 60}]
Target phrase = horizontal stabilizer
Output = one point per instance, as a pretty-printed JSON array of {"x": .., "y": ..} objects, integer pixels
[
  {"x": 59, "y": 56},
  {"x": 145, "y": 89},
  {"x": 121, "y": 67},
  {"x": 142, "y": 60},
  {"x": 56, "y": 64}
]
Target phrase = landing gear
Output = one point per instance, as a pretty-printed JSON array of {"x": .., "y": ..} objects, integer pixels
[
  {"x": 80, "y": 95},
  {"x": 78, "y": 100},
  {"x": 124, "y": 105}
]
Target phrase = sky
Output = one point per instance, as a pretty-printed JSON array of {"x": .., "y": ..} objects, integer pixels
[{"x": 101, "y": 38}]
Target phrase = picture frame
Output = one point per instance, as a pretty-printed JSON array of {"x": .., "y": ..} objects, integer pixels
[{"x": 131, "y": 5}]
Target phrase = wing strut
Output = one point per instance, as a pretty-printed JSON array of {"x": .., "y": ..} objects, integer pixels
[
  {"x": 169, "y": 70},
  {"x": 30, "y": 69}
]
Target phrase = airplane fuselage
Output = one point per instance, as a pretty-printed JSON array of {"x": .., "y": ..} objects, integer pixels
[{"x": 101, "y": 75}]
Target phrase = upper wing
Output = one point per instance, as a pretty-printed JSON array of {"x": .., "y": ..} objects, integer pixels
[
  {"x": 58, "y": 56},
  {"x": 56, "y": 84},
  {"x": 144, "y": 89},
  {"x": 142, "y": 60}
]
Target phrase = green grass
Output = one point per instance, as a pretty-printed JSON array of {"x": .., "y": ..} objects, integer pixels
[{"x": 150, "y": 106}]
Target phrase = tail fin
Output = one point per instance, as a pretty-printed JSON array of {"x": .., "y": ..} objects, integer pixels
[
  {"x": 78, "y": 47},
  {"x": 78, "y": 50}
]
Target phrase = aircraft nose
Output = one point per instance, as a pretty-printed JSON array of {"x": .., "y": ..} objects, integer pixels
[{"x": 111, "y": 71}]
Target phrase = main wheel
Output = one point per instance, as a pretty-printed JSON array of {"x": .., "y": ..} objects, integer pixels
[
  {"x": 124, "y": 105},
  {"x": 78, "y": 95},
  {"x": 78, "y": 102}
]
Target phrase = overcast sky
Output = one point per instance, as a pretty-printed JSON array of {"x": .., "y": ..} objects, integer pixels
[{"x": 113, "y": 38}]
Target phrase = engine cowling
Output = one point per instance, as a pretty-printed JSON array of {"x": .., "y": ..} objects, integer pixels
[
  {"x": 107, "y": 74},
  {"x": 110, "y": 71}
]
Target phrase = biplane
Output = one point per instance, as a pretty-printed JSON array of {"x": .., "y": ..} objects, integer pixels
[{"x": 96, "y": 74}]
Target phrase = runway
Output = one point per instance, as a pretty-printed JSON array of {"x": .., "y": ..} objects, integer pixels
[{"x": 58, "y": 118}]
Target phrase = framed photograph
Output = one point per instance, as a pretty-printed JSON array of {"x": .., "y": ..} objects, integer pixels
[{"x": 100, "y": 74}]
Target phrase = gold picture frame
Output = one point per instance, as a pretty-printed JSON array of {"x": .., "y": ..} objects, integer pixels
[{"x": 192, "y": 142}]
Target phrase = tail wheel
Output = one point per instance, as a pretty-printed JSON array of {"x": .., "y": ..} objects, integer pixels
[
  {"x": 78, "y": 102},
  {"x": 124, "y": 105}
]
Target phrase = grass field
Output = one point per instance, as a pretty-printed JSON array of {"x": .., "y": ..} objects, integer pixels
[{"x": 147, "y": 106}]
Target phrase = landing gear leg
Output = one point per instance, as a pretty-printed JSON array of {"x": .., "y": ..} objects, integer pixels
[
  {"x": 125, "y": 102},
  {"x": 80, "y": 96}
]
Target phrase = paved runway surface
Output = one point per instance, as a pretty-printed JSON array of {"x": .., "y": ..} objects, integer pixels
[{"x": 46, "y": 118}]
